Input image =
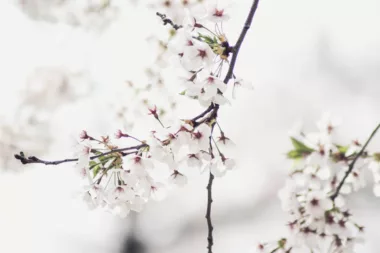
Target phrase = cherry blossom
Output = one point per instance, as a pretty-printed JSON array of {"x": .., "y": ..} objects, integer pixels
[
  {"x": 217, "y": 14},
  {"x": 317, "y": 203},
  {"x": 240, "y": 83},
  {"x": 122, "y": 180},
  {"x": 200, "y": 139},
  {"x": 197, "y": 56},
  {"x": 313, "y": 195}
]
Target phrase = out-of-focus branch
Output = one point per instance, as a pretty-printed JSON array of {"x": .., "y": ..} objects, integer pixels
[
  {"x": 168, "y": 21},
  {"x": 352, "y": 164}
]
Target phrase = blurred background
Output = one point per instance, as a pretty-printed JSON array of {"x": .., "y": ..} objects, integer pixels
[{"x": 69, "y": 65}]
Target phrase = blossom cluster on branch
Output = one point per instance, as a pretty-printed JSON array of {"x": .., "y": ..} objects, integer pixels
[
  {"x": 172, "y": 42},
  {"x": 123, "y": 174},
  {"x": 325, "y": 172},
  {"x": 123, "y": 179}
]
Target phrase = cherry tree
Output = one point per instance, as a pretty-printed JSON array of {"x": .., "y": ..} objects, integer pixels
[{"x": 122, "y": 178}]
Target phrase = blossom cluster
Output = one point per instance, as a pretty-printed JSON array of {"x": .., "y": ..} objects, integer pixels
[
  {"x": 124, "y": 179},
  {"x": 202, "y": 53},
  {"x": 156, "y": 84},
  {"x": 89, "y": 14},
  {"x": 195, "y": 20},
  {"x": 324, "y": 173},
  {"x": 121, "y": 180},
  {"x": 28, "y": 126}
]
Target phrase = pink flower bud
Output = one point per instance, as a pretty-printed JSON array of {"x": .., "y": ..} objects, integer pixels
[{"x": 83, "y": 135}]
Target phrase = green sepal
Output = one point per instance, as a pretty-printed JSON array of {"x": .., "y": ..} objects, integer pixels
[
  {"x": 294, "y": 154},
  {"x": 300, "y": 146},
  {"x": 342, "y": 149},
  {"x": 376, "y": 156},
  {"x": 96, "y": 170},
  {"x": 300, "y": 150}
]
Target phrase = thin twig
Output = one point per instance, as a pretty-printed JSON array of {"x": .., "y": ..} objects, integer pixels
[
  {"x": 352, "y": 164},
  {"x": 239, "y": 42},
  {"x": 168, "y": 21},
  {"x": 33, "y": 159}
]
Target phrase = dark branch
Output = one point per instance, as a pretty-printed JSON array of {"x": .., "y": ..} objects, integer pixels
[
  {"x": 33, "y": 159},
  {"x": 239, "y": 42},
  {"x": 168, "y": 21},
  {"x": 210, "y": 238},
  {"x": 352, "y": 164},
  {"x": 214, "y": 108},
  {"x": 203, "y": 113}
]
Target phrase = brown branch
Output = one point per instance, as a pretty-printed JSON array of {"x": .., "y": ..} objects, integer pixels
[
  {"x": 203, "y": 113},
  {"x": 352, "y": 164},
  {"x": 210, "y": 238},
  {"x": 214, "y": 109},
  {"x": 33, "y": 159},
  {"x": 239, "y": 42},
  {"x": 168, "y": 21}
]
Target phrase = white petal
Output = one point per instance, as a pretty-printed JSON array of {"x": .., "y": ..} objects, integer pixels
[{"x": 376, "y": 190}]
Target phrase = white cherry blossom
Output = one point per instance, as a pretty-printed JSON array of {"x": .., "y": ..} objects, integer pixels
[
  {"x": 217, "y": 14},
  {"x": 197, "y": 56}
]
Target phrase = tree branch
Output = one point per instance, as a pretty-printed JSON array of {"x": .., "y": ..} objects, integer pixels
[
  {"x": 239, "y": 42},
  {"x": 352, "y": 164},
  {"x": 210, "y": 238},
  {"x": 214, "y": 109},
  {"x": 168, "y": 21},
  {"x": 203, "y": 113},
  {"x": 33, "y": 159}
]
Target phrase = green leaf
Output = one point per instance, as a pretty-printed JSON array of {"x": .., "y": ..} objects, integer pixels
[
  {"x": 294, "y": 154},
  {"x": 96, "y": 170},
  {"x": 342, "y": 149},
  {"x": 182, "y": 93},
  {"x": 92, "y": 164},
  {"x": 103, "y": 159},
  {"x": 282, "y": 243},
  {"x": 300, "y": 146},
  {"x": 206, "y": 39},
  {"x": 376, "y": 156},
  {"x": 300, "y": 149}
]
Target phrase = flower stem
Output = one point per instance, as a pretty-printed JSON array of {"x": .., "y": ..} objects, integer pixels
[{"x": 33, "y": 159}]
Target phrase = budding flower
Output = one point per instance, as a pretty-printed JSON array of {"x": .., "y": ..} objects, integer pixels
[
  {"x": 178, "y": 178},
  {"x": 120, "y": 134},
  {"x": 225, "y": 141},
  {"x": 83, "y": 135},
  {"x": 105, "y": 139},
  {"x": 153, "y": 112},
  {"x": 217, "y": 14}
]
